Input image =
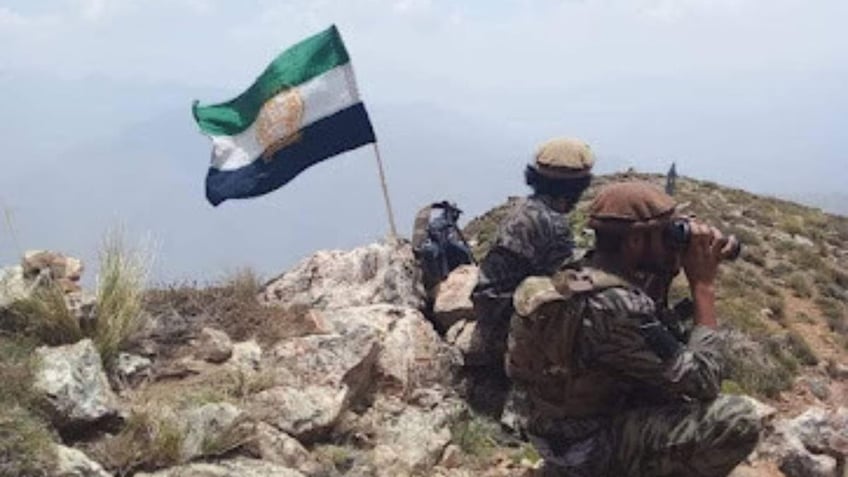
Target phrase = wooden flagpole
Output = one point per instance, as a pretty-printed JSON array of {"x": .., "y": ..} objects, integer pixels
[{"x": 385, "y": 192}]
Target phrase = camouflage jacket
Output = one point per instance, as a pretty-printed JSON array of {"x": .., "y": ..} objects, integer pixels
[
  {"x": 596, "y": 350},
  {"x": 535, "y": 239}
]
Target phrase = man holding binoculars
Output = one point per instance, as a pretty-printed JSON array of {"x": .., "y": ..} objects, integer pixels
[{"x": 611, "y": 390}]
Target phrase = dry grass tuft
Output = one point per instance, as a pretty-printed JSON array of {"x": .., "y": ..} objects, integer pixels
[
  {"x": 151, "y": 439},
  {"x": 26, "y": 442},
  {"x": 120, "y": 287},
  {"x": 45, "y": 316},
  {"x": 231, "y": 306}
]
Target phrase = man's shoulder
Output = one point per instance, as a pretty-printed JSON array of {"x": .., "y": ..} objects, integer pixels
[
  {"x": 532, "y": 214},
  {"x": 622, "y": 300}
]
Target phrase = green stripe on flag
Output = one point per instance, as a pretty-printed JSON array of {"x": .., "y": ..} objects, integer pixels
[{"x": 303, "y": 61}]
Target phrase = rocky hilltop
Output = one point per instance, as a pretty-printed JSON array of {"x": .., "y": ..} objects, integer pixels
[{"x": 343, "y": 366}]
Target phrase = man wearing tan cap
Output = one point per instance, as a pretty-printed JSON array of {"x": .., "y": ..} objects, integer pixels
[
  {"x": 535, "y": 239},
  {"x": 611, "y": 390}
]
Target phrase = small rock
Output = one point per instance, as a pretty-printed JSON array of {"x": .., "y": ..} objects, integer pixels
[
  {"x": 837, "y": 370},
  {"x": 65, "y": 271},
  {"x": 214, "y": 346},
  {"x": 280, "y": 448},
  {"x": 213, "y": 427},
  {"x": 247, "y": 355},
  {"x": 805, "y": 464},
  {"x": 74, "y": 387},
  {"x": 72, "y": 463},
  {"x": 820, "y": 387},
  {"x": 464, "y": 336},
  {"x": 131, "y": 368},
  {"x": 451, "y": 457},
  {"x": 453, "y": 297},
  {"x": 803, "y": 241}
]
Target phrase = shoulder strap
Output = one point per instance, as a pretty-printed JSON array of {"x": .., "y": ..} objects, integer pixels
[{"x": 534, "y": 292}]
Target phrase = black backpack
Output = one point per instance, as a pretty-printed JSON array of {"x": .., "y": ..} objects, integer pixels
[{"x": 438, "y": 243}]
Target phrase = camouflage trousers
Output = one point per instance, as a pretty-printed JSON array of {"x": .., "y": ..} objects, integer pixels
[{"x": 679, "y": 440}]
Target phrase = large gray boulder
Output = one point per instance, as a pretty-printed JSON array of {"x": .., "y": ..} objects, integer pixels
[
  {"x": 73, "y": 463},
  {"x": 71, "y": 383},
  {"x": 411, "y": 356},
  {"x": 239, "y": 467},
  {"x": 376, "y": 273},
  {"x": 316, "y": 378}
]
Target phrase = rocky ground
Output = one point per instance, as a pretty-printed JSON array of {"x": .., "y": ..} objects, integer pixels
[{"x": 340, "y": 366}]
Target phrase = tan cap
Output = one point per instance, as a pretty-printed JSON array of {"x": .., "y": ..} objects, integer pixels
[
  {"x": 564, "y": 158},
  {"x": 630, "y": 204}
]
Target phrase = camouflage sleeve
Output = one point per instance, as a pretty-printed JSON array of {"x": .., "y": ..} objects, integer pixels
[
  {"x": 623, "y": 333},
  {"x": 500, "y": 272},
  {"x": 559, "y": 246},
  {"x": 542, "y": 238}
]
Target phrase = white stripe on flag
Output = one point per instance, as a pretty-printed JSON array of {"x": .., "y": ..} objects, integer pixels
[{"x": 323, "y": 96}]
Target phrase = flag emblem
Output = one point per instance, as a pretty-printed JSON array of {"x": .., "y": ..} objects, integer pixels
[
  {"x": 279, "y": 121},
  {"x": 303, "y": 109}
]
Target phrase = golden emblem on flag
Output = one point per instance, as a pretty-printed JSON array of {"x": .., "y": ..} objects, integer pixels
[{"x": 279, "y": 122}]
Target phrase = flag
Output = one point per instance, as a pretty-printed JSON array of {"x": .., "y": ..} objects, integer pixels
[{"x": 302, "y": 109}]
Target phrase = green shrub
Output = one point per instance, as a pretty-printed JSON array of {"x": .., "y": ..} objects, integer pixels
[
  {"x": 834, "y": 313},
  {"x": 342, "y": 458},
  {"x": 745, "y": 235},
  {"x": 793, "y": 225},
  {"x": 754, "y": 255},
  {"x": 780, "y": 270},
  {"x": 802, "y": 351},
  {"x": 753, "y": 377},
  {"x": 807, "y": 259},
  {"x": 475, "y": 435},
  {"x": 771, "y": 290},
  {"x": 840, "y": 277},
  {"x": 777, "y": 305},
  {"x": 805, "y": 318},
  {"x": 729, "y": 386},
  {"x": 26, "y": 444},
  {"x": 525, "y": 452},
  {"x": 799, "y": 285},
  {"x": 741, "y": 314}
]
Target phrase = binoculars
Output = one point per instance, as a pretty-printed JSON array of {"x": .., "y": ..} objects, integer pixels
[{"x": 679, "y": 233}]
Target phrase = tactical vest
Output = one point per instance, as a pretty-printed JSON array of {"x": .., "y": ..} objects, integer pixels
[{"x": 541, "y": 350}]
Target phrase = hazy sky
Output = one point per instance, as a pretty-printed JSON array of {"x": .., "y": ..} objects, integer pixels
[{"x": 96, "y": 126}]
